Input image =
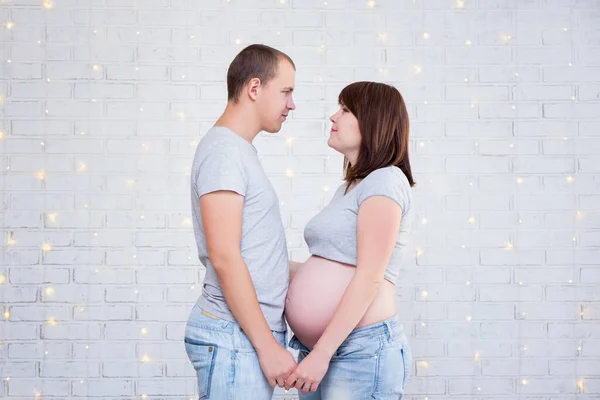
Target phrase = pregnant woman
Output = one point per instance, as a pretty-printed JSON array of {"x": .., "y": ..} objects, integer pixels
[{"x": 341, "y": 303}]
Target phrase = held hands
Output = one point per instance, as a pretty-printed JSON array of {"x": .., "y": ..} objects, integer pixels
[
  {"x": 308, "y": 374},
  {"x": 280, "y": 368},
  {"x": 276, "y": 363}
]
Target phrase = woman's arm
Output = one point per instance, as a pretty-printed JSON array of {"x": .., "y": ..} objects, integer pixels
[{"x": 377, "y": 230}]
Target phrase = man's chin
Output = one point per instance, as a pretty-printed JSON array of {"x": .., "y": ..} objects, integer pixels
[{"x": 273, "y": 129}]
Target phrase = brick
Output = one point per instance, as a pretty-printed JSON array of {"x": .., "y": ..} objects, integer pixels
[
  {"x": 482, "y": 55},
  {"x": 484, "y": 386},
  {"x": 543, "y": 165},
  {"x": 69, "y": 369},
  {"x": 513, "y": 329},
  {"x": 51, "y": 90},
  {"x": 16, "y": 109},
  {"x": 135, "y": 294},
  {"x": 544, "y": 92},
  {"x": 120, "y": 369},
  {"x": 49, "y": 387},
  {"x": 103, "y": 350},
  {"x": 60, "y": 350},
  {"x": 573, "y": 110},
  {"x": 68, "y": 331},
  {"x": 98, "y": 387},
  {"x": 528, "y": 368},
  {"x": 28, "y": 52}
]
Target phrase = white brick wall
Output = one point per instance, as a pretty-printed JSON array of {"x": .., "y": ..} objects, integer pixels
[{"x": 103, "y": 102}]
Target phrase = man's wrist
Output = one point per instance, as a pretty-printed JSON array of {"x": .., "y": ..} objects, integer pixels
[{"x": 264, "y": 344}]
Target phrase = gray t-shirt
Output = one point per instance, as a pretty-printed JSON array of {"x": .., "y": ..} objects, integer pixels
[
  {"x": 331, "y": 233},
  {"x": 226, "y": 161}
]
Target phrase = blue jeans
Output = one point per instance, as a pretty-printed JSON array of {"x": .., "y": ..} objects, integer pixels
[
  {"x": 226, "y": 363},
  {"x": 372, "y": 363}
]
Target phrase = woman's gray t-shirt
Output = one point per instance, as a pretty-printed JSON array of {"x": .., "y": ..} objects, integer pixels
[{"x": 332, "y": 232}]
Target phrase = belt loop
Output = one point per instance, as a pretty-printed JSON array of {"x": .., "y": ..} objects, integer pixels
[{"x": 388, "y": 330}]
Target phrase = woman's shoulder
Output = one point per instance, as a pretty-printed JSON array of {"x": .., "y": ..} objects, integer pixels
[
  {"x": 389, "y": 182},
  {"x": 388, "y": 175}
]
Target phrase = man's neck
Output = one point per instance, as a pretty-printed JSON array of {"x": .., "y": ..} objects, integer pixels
[{"x": 240, "y": 121}]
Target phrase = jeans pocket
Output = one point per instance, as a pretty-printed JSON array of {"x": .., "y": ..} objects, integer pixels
[
  {"x": 357, "y": 349},
  {"x": 405, "y": 367},
  {"x": 202, "y": 356}
]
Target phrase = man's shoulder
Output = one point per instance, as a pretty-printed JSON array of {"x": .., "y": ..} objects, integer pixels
[
  {"x": 215, "y": 143},
  {"x": 216, "y": 136}
]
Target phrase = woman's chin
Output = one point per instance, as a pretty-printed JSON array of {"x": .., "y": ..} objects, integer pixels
[{"x": 331, "y": 143}]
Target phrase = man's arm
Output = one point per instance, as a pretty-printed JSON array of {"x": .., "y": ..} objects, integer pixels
[{"x": 222, "y": 222}]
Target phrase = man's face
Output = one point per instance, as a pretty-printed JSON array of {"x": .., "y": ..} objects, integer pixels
[{"x": 275, "y": 100}]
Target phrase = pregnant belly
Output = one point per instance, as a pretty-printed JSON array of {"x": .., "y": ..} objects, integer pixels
[{"x": 314, "y": 295}]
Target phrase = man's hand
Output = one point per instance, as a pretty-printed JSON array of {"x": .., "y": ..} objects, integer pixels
[
  {"x": 276, "y": 363},
  {"x": 310, "y": 372}
]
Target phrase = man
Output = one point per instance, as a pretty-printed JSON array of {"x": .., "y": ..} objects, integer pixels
[{"x": 236, "y": 333}]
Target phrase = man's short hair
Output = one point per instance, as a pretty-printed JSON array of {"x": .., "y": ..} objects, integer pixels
[{"x": 255, "y": 61}]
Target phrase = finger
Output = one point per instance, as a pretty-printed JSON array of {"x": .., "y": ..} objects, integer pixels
[
  {"x": 314, "y": 387},
  {"x": 279, "y": 382},
  {"x": 272, "y": 382},
  {"x": 289, "y": 383},
  {"x": 306, "y": 388},
  {"x": 299, "y": 383}
]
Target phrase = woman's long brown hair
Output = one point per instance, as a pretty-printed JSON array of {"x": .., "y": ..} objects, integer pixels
[{"x": 384, "y": 127}]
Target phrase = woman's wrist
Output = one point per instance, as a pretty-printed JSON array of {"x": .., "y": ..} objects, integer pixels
[{"x": 323, "y": 349}]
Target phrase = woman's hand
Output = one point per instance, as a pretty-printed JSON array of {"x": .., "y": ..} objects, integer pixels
[{"x": 308, "y": 374}]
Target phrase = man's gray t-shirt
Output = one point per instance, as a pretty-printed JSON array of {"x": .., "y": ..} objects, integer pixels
[{"x": 226, "y": 161}]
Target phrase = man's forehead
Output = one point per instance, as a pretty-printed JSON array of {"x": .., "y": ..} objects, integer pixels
[
  {"x": 285, "y": 76},
  {"x": 285, "y": 68}
]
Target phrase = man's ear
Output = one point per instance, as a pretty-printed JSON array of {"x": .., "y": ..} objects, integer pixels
[{"x": 253, "y": 88}]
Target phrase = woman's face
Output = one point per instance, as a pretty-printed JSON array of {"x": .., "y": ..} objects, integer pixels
[{"x": 345, "y": 134}]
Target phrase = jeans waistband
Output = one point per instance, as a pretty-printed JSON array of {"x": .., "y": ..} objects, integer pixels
[
  {"x": 223, "y": 332},
  {"x": 389, "y": 329}
]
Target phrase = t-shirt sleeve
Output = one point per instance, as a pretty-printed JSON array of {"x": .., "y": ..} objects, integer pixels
[
  {"x": 387, "y": 183},
  {"x": 222, "y": 169}
]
